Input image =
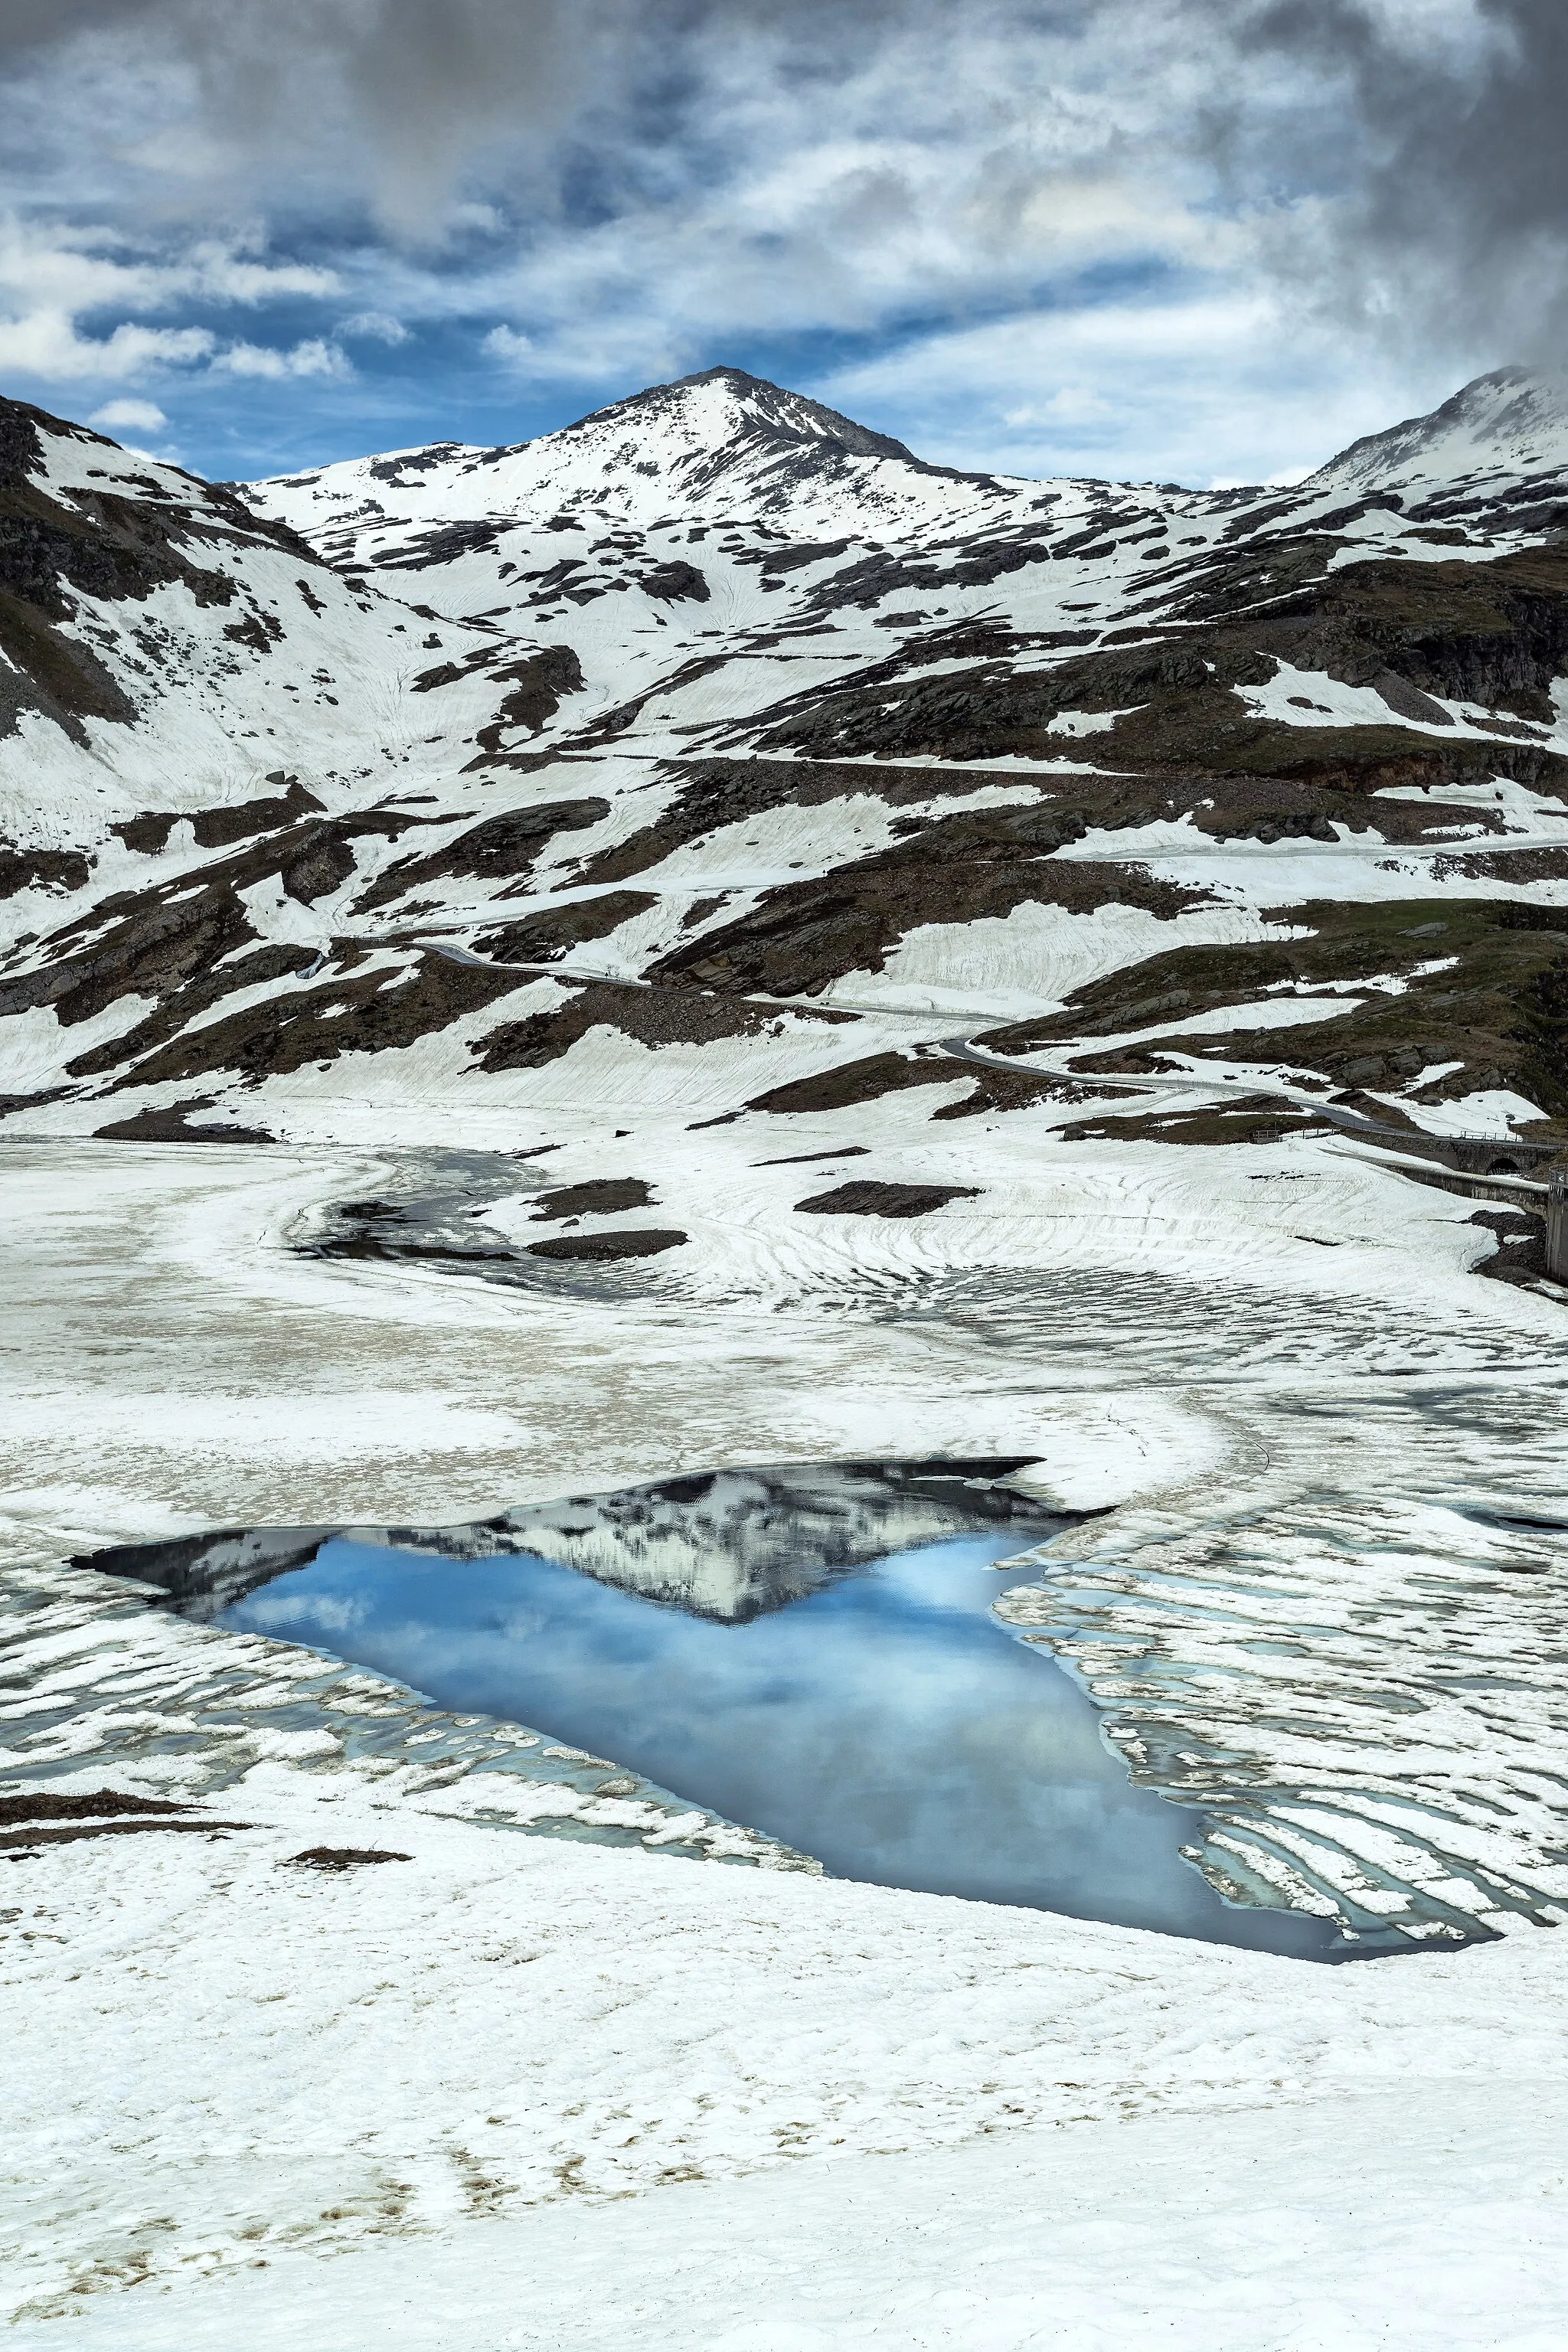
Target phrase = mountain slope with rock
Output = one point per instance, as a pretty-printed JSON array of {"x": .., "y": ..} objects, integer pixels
[{"x": 420, "y": 774}]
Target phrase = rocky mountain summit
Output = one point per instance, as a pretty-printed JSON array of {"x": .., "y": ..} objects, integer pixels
[{"x": 719, "y": 734}]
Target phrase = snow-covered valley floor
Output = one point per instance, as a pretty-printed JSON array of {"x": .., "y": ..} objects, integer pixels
[
  {"x": 503, "y": 2095},
  {"x": 516, "y": 2091}
]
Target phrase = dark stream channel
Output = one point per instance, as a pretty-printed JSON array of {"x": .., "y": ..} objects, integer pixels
[{"x": 809, "y": 1650}]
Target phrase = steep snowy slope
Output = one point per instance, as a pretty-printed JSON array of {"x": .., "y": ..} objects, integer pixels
[
  {"x": 718, "y": 691},
  {"x": 1510, "y": 424}
]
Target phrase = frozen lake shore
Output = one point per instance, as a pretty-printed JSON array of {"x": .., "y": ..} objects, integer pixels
[
  {"x": 1327, "y": 1606},
  {"x": 300, "y": 2063}
]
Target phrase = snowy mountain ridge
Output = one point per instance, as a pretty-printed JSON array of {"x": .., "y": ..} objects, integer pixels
[
  {"x": 685, "y": 451},
  {"x": 718, "y": 695},
  {"x": 1512, "y": 422}
]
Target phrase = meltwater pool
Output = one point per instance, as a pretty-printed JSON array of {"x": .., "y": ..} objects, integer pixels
[{"x": 812, "y": 1653}]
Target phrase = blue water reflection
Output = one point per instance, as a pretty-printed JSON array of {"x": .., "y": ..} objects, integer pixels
[{"x": 886, "y": 1723}]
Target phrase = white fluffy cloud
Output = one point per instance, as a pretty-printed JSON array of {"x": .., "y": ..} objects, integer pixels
[
  {"x": 46, "y": 343},
  {"x": 312, "y": 357},
  {"x": 374, "y": 327},
  {"x": 62, "y": 282},
  {"x": 129, "y": 416},
  {"x": 1194, "y": 388}
]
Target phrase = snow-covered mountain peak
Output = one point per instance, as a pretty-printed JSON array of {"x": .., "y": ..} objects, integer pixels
[
  {"x": 709, "y": 445},
  {"x": 712, "y": 413},
  {"x": 1514, "y": 421}
]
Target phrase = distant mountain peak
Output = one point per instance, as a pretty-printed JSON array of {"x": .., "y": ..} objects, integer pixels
[
  {"x": 1513, "y": 420},
  {"x": 755, "y": 403}
]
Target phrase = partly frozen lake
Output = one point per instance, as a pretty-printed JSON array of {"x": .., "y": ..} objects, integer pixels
[{"x": 854, "y": 1696}]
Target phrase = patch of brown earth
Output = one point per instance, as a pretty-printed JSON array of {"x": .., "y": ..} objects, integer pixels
[
  {"x": 1257, "y": 1118},
  {"x": 343, "y": 1857},
  {"x": 866, "y": 1081},
  {"x": 551, "y": 932},
  {"x": 798, "y": 1159},
  {"x": 604, "y": 1249},
  {"x": 600, "y": 1196},
  {"x": 173, "y": 1124},
  {"x": 654, "y": 1016},
  {"x": 98, "y": 1804},
  {"x": 868, "y": 1198},
  {"x": 25, "y": 1841},
  {"x": 998, "y": 1091}
]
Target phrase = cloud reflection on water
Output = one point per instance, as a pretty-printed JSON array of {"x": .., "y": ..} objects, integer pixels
[{"x": 886, "y": 1723}]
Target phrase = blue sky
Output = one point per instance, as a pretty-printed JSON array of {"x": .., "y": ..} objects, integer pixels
[{"x": 1189, "y": 239}]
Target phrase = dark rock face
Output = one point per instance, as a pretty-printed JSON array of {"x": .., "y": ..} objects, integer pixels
[
  {"x": 503, "y": 848},
  {"x": 675, "y": 584},
  {"x": 347, "y": 1013},
  {"x": 216, "y": 828},
  {"x": 321, "y": 866},
  {"x": 1495, "y": 635},
  {"x": 106, "y": 546},
  {"x": 867, "y": 1198},
  {"x": 537, "y": 684},
  {"x": 53, "y": 673},
  {"x": 441, "y": 544},
  {"x": 47, "y": 869},
  {"x": 600, "y": 1197},
  {"x": 1520, "y": 1257},
  {"x": 855, "y": 1082},
  {"x": 553, "y": 932},
  {"x": 607, "y": 1249},
  {"x": 1497, "y": 1009},
  {"x": 805, "y": 935}
]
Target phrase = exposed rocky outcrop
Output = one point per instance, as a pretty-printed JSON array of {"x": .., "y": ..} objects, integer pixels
[
  {"x": 502, "y": 849},
  {"x": 833, "y": 703},
  {"x": 868, "y": 1198}
]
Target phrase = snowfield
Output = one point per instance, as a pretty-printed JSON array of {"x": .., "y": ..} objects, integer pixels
[
  {"x": 839, "y": 2113},
  {"x": 714, "y": 801}
]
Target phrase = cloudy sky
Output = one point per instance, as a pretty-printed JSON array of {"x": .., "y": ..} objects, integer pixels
[{"x": 1182, "y": 239}]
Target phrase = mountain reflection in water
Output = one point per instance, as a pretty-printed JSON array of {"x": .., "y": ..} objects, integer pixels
[{"x": 869, "y": 1710}]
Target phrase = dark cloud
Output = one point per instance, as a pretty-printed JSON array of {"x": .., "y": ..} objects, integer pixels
[
  {"x": 411, "y": 105},
  {"x": 1403, "y": 164},
  {"x": 403, "y": 104},
  {"x": 1436, "y": 137}
]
